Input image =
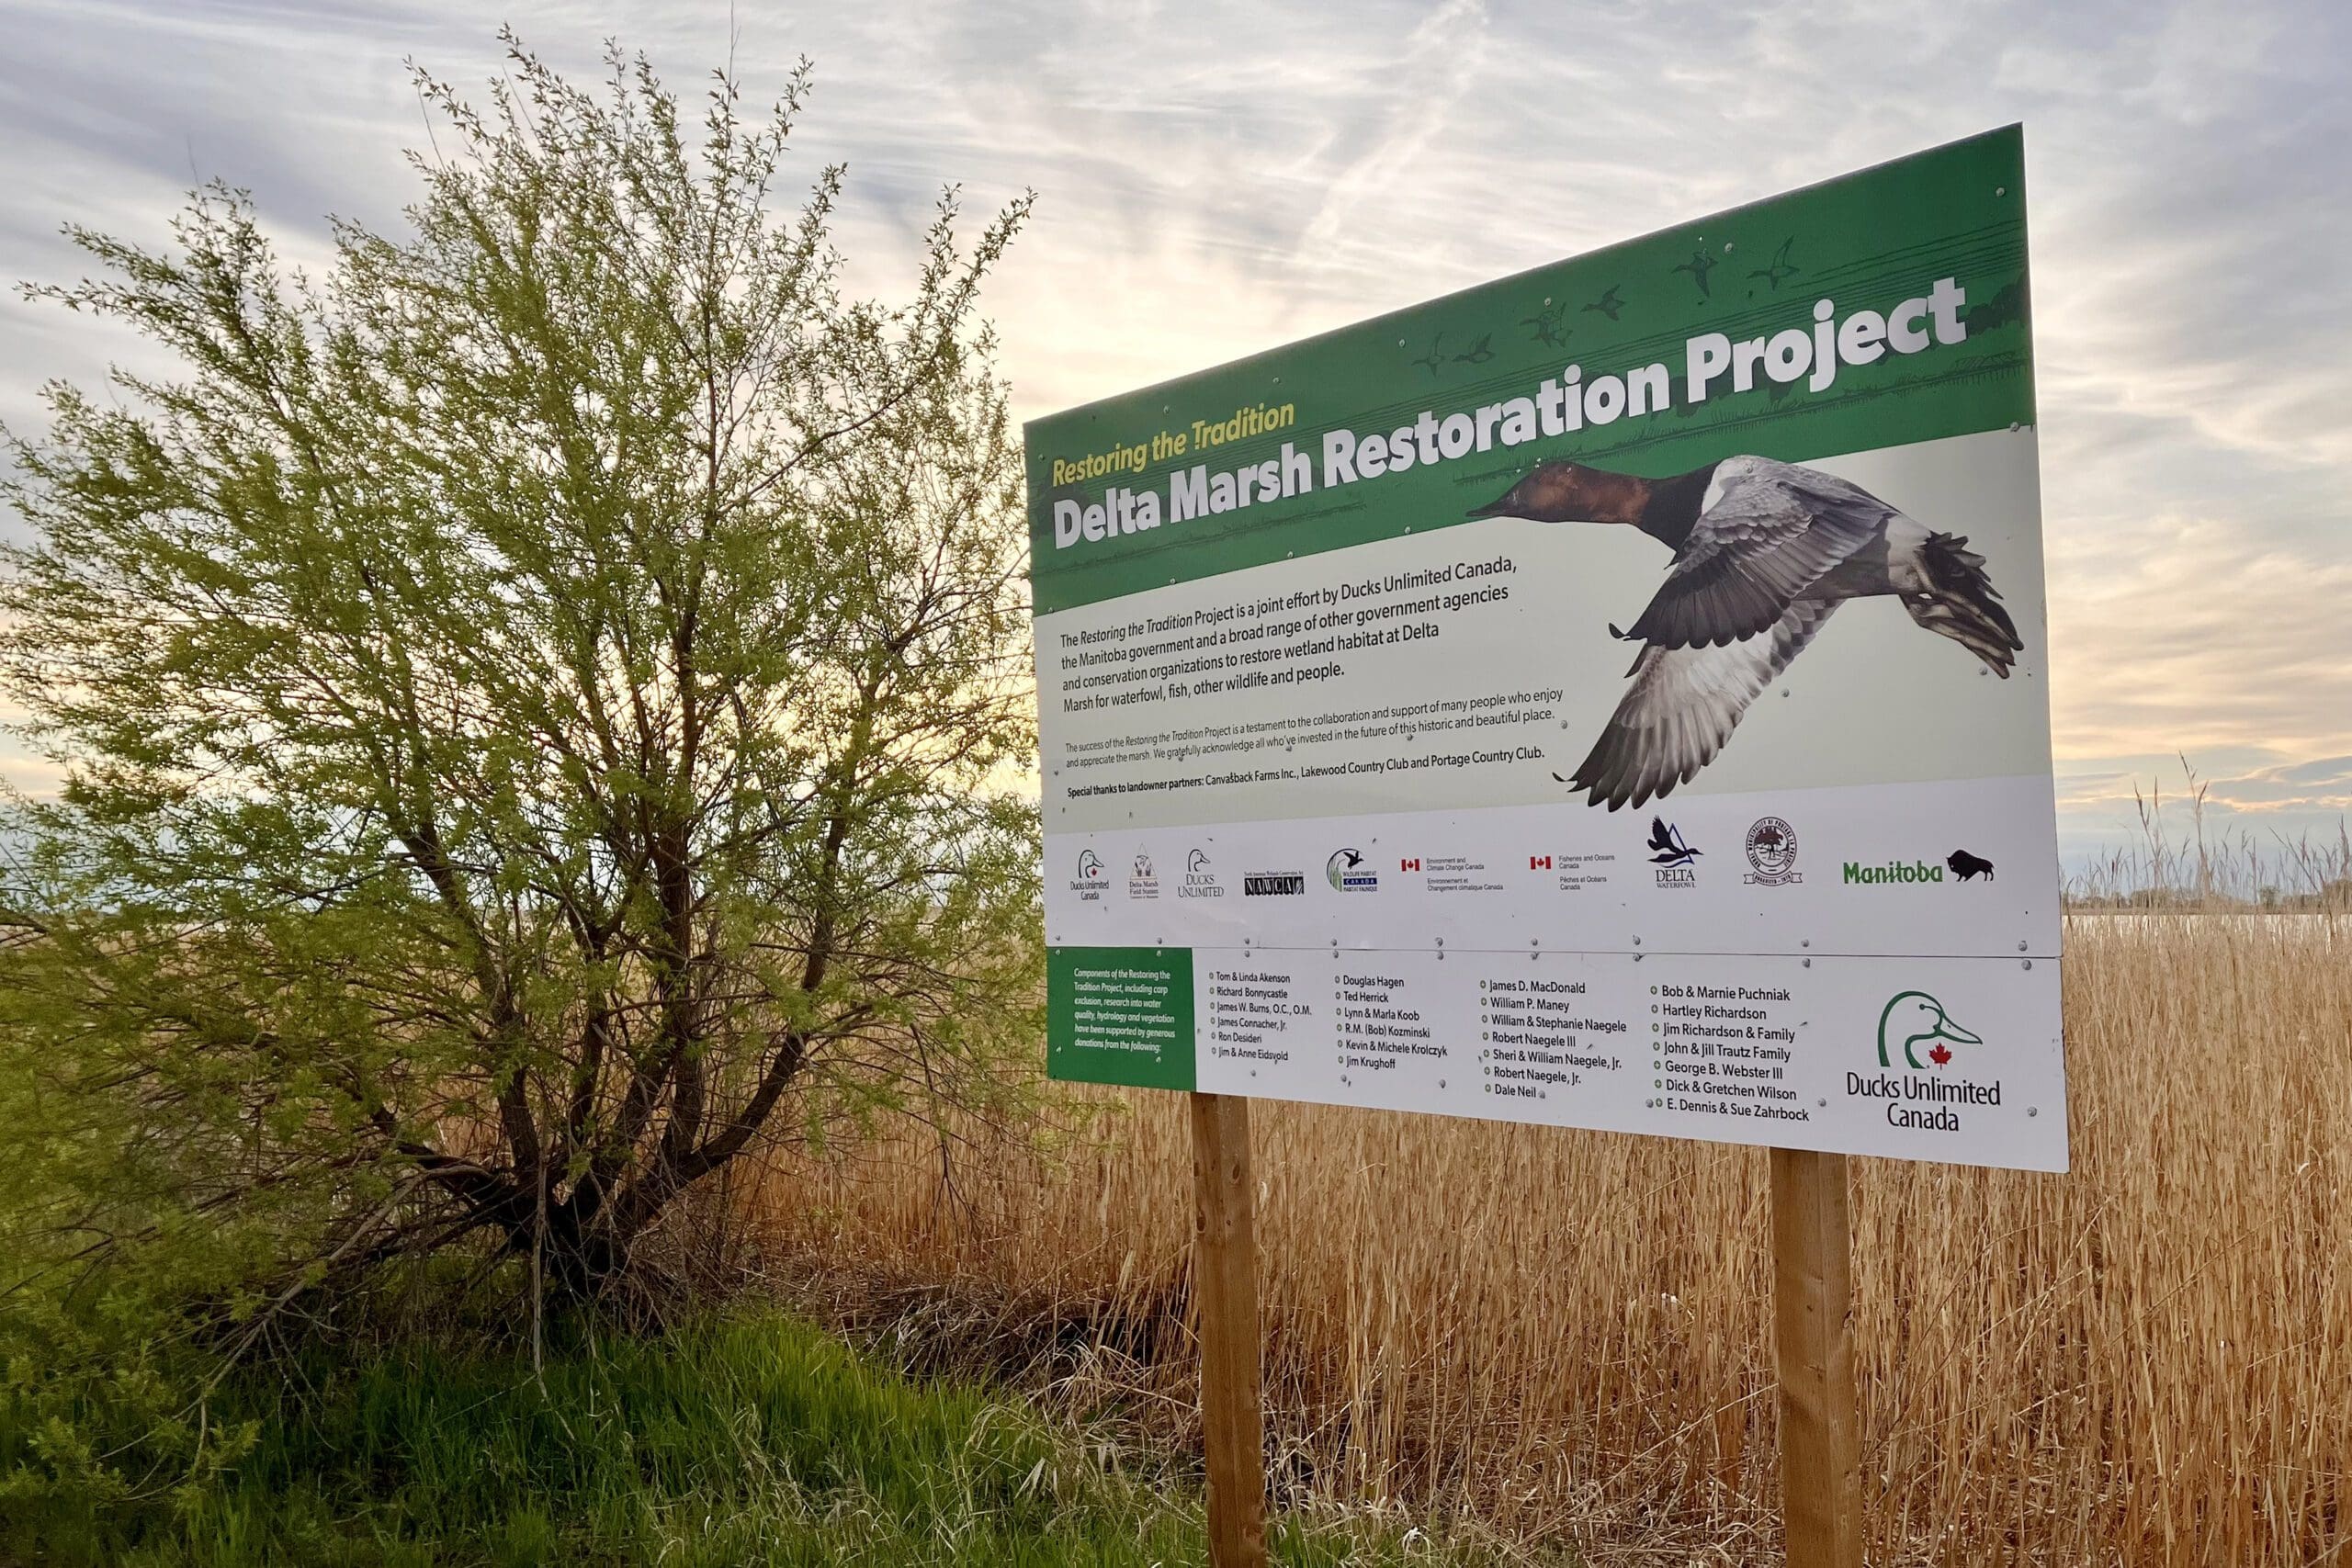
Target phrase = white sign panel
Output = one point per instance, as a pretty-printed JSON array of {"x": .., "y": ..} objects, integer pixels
[{"x": 1613, "y": 697}]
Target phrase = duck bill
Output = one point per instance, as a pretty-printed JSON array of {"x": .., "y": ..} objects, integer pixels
[
  {"x": 1502, "y": 508},
  {"x": 1949, "y": 1031}
]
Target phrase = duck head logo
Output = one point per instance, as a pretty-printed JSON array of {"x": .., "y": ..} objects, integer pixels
[
  {"x": 1913, "y": 1020},
  {"x": 1090, "y": 865}
]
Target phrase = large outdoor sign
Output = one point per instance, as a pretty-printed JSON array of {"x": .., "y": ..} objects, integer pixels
[{"x": 1613, "y": 696}]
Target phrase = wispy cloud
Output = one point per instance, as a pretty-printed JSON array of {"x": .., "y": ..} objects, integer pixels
[{"x": 1219, "y": 177}]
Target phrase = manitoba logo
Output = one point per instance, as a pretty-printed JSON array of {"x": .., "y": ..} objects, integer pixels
[
  {"x": 1200, "y": 880},
  {"x": 1914, "y": 1018},
  {"x": 1347, "y": 872},
  {"x": 1671, "y": 855},
  {"x": 1893, "y": 871},
  {"x": 1772, "y": 852},
  {"x": 1968, "y": 867}
]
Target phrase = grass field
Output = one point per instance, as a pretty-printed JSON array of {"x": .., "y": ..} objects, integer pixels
[
  {"x": 1564, "y": 1335},
  {"x": 750, "y": 1438}
]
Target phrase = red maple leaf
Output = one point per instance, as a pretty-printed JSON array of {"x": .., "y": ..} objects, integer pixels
[{"x": 1940, "y": 1056}]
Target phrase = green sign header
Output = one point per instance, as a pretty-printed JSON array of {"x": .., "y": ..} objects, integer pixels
[{"x": 1886, "y": 307}]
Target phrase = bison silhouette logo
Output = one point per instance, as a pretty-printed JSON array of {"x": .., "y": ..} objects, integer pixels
[{"x": 1969, "y": 867}]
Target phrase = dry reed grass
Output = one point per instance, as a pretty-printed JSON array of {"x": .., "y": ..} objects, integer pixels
[{"x": 1564, "y": 1335}]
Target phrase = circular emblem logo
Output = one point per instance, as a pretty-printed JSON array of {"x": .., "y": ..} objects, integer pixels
[{"x": 1772, "y": 850}]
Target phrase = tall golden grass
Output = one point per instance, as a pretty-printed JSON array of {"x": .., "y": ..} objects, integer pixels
[{"x": 1565, "y": 1336}]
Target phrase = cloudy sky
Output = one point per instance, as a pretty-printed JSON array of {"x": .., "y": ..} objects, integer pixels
[{"x": 1218, "y": 178}]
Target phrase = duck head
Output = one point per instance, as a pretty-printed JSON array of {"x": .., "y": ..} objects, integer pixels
[
  {"x": 1914, "y": 1018},
  {"x": 1570, "y": 492}
]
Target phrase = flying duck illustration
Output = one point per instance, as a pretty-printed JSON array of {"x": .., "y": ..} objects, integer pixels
[
  {"x": 1697, "y": 267},
  {"x": 1609, "y": 304},
  {"x": 1478, "y": 352},
  {"x": 1764, "y": 552},
  {"x": 1547, "y": 325},
  {"x": 1912, "y": 1019},
  {"x": 1778, "y": 267}
]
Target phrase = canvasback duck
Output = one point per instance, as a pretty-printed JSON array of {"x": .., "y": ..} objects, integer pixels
[{"x": 1764, "y": 552}]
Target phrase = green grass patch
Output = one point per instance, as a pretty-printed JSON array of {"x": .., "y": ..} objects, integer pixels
[{"x": 751, "y": 1438}]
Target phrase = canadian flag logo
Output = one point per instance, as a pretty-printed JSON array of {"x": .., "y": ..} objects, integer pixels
[
  {"x": 1413, "y": 864},
  {"x": 1539, "y": 863}
]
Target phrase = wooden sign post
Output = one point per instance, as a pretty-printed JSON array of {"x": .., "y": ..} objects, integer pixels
[
  {"x": 1813, "y": 1310},
  {"x": 1224, "y": 1283}
]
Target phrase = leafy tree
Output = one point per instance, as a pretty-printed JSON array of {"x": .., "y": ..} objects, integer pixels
[{"x": 541, "y": 706}]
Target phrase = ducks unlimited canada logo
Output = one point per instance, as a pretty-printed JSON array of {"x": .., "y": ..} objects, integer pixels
[
  {"x": 1916, "y": 1027},
  {"x": 1091, "y": 882},
  {"x": 1772, "y": 847}
]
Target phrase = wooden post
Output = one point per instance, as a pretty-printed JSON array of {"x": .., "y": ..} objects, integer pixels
[
  {"x": 1225, "y": 1279},
  {"x": 1812, "y": 1309}
]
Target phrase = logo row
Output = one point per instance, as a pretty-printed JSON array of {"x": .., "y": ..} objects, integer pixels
[{"x": 1771, "y": 847}]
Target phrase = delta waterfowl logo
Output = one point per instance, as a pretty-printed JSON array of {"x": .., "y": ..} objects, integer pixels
[
  {"x": 1913, "y": 1020},
  {"x": 1348, "y": 872},
  {"x": 1672, "y": 855},
  {"x": 1772, "y": 852}
]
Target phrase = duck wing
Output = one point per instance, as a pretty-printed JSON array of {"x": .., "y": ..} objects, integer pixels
[
  {"x": 1770, "y": 531},
  {"x": 1684, "y": 703}
]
